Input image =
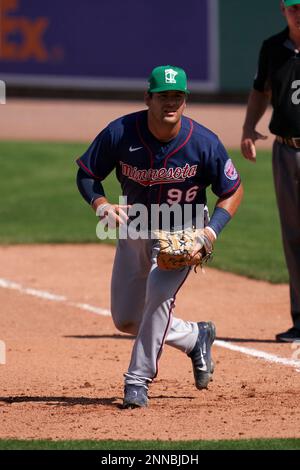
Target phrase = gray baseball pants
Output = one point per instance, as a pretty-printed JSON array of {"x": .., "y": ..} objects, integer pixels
[
  {"x": 286, "y": 171},
  {"x": 142, "y": 300}
]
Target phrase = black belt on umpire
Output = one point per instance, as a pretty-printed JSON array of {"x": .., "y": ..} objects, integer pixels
[{"x": 293, "y": 142}]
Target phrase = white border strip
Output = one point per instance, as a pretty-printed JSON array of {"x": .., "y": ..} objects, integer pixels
[
  {"x": 90, "y": 83},
  {"x": 214, "y": 45},
  {"x": 5, "y": 284}
]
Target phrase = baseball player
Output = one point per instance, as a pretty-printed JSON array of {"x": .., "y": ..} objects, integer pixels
[
  {"x": 160, "y": 157},
  {"x": 278, "y": 80}
]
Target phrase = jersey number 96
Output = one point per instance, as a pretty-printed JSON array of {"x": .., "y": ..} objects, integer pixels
[{"x": 176, "y": 196}]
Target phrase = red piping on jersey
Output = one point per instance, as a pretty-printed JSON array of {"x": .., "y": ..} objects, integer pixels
[
  {"x": 232, "y": 189},
  {"x": 144, "y": 143},
  {"x": 169, "y": 320},
  {"x": 174, "y": 151},
  {"x": 151, "y": 183},
  {"x": 82, "y": 165}
]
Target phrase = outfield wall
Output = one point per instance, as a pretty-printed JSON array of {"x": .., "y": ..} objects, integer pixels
[
  {"x": 114, "y": 44},
  {"x": 243, "y": 27}
]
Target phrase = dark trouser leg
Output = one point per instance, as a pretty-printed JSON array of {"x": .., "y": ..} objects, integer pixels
[{"x": 286, "y": 170}]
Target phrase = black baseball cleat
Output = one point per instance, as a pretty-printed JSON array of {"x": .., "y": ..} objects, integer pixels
[
  {"x": 289, "y": 336},
  {"x": 203, "y": 365},
  {"x": 135, "y": 396}
]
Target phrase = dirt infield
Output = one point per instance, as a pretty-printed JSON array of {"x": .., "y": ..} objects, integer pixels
[
  {"x": 63, "y": 375},
  {"x": 64, "y": 360},
  {"x": 82, "y": 120}
]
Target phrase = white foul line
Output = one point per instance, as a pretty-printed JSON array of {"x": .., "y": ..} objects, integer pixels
[
  {"x": 48, "y": 296},
  {"x": 5, "y": 284},
  {"x": 259, "y": 354}
]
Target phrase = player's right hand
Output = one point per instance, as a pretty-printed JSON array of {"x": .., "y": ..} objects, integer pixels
[
  {"x": 248, "y": 148},
  {"x": 113, "y": 214}
]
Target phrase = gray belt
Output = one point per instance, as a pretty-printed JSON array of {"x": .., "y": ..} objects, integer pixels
[{"x": 293, "y": 142}]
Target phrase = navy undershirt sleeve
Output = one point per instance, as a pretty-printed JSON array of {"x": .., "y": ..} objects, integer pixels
[{"x": 89, "y": 188}]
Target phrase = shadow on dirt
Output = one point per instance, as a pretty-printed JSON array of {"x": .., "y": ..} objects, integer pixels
[
  {"x": 100, "y": 336},
  {"x": 115, "y": 402},
  {"x": 129, "y": 337},
  {"x": 64, "y": 401}
]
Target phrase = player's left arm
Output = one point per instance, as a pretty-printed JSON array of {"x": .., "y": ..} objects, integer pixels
[
  {"x": 232, "y": 202},
  {"x": 224, "y": 210},
  {"x": 226, "y": 185}
]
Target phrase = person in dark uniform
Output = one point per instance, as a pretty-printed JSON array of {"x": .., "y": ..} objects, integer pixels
[{"x": 278, "y": 81}]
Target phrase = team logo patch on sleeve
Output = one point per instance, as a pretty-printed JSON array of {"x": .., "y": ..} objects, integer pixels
[{"x": 230, "y": 171}]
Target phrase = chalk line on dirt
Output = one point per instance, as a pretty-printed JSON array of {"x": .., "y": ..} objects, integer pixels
[{"x": 6, "y": 284}]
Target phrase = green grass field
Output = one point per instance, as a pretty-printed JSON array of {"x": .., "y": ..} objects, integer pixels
[
  {"x": 41, "y": 204},
  {"x": 255, "y": 444}
]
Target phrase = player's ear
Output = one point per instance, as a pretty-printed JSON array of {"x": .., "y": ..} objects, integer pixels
[{"x": 147, "y": 97}]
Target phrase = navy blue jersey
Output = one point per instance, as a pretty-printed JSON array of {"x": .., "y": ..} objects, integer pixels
[{"x": 154, "y": 172}]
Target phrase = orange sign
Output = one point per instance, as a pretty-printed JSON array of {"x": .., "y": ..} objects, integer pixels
[{"x": 31, "y": 32}]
